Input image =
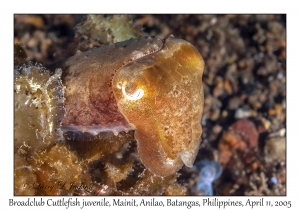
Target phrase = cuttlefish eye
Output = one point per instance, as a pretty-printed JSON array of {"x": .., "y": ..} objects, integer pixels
[{"x": 131, "y": 90}]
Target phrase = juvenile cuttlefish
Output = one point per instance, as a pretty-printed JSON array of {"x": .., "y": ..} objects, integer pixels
[{"x": 149, "y": 85}]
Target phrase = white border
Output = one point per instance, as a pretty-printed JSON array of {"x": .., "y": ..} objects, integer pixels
[{"x": 214, "y": 7}]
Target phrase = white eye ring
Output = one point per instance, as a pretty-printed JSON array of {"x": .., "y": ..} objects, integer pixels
[{"x": 138, "y": 94}]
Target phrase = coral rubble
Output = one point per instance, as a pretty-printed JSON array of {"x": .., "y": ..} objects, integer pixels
[
  {"x": 99, "y": 30},
  {"x": 38, "y": 108}
]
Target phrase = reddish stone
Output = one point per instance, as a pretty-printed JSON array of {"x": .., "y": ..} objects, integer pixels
[{"x": 241, "y": 136}]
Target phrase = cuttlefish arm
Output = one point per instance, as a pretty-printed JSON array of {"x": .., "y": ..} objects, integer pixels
[{"x": 161, "y": 94}]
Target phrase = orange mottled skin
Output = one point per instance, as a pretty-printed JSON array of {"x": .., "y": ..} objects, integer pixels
[{"x": 151, "y": 85}]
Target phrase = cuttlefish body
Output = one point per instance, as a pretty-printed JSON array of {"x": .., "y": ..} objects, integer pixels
[{"x": 149, "y": 85}]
